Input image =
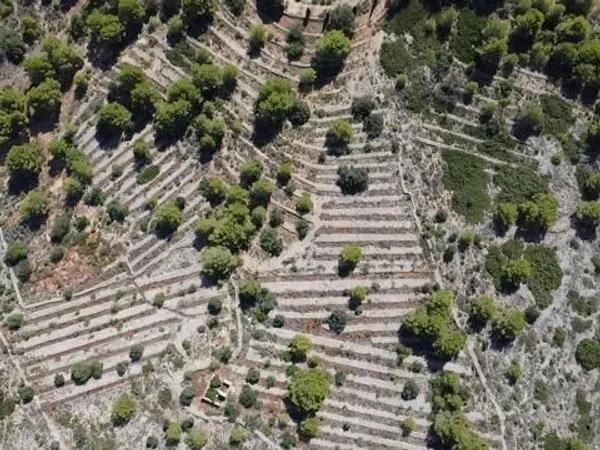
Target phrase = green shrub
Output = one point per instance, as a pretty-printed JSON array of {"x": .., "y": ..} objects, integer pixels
[
  {"x": 506, "y": 215},
  {"x": 148, "y": 174},
  {"x": 25, "y": 160},
  {"x": 136, "y": 352},
  {"x": 331, "y": 52},
  {"x": 304, "y": 204},
  {"x": 308, "y": 389},
  {"x": 465, "y": 176},
  {"x": 14, "y": 321},
  {"x": 261, "y": 192},
  {"x": 276, "y": 218},
  {"x": 515, "y": 272},
  {"x": 295, "y": 43},
  {"x": 81, "y": 372},
  {"x": 349, "y": 258},
  {"x": 373, "y": 125},
  {"x": 337, "y": 321},
  {"x": 56, "y": 254},
  {"x": 518, "y": 185},
  {"x": 248, "y": 396},
  {"x": 352, "y": 180},
  {"x": 558, "y": 117},
  {"x": 238, "y": 435},
  {"x": 309, "y": 428},
  {"x": 253, "y": 375},
  {"x": 559, "y": 336},
  {"x": 362, "y": 107},
  {"x": 196, "y": 439},
  {"x": 302, "y": 227},
  {"x": 299, "y": 346},
  {"x": 123, "y": 410},
  {"x": 587, "y": 354},
  {"x": 186, "y": 396},
  {"x": 539, "y": 213},
  {"x": 250, "y": 173},
  {"x": 113, "y": 120},
  {"x": 339, "y": 135},
  {"x": 468, "y": 35},
  {"x": 284, "y": 173},
  {"x": 117, "y": 211},
  {"x": 546, "y": 274},
  {"x": 168, "y": 218},
  {"x": 432, "y": 321},
  {"x": 395, "y": 57},
  {"x": 453, "y": 429},
  {"x": 483, "y": 309},
  {"x": 513, "y": 373},
  {"x": 358, "y": 294},
  {"x": 258, "y": 37},
  {"x": 173, "y": 434},
  {"x": 407, "y": 426},
  {"x": 26, "y": 394},
  {"x": 16, "y": 252},
  {"x": 60, "y": 228},
  {"x": 59, "y": 380},
  {"x": 588, "y": 214},
  {"x": 275, "y": 102},
  {"x": 410, "y": 390},
  {"x": 270, "y": 242},
  {"x": 307, "y": 77},
  {"x": 509, "y": 324},
  {"x": 218, "y": 262}
]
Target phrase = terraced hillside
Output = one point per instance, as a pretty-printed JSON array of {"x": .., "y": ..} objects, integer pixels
[{"x": 281, "y": 225}]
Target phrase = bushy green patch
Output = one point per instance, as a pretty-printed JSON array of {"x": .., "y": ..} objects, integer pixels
[
  {"x": 408, "y": 18},
  {"x": 148, "y": 174},
  {"x": 558, "y": 117},
  {"x": 498, "y": 255},
  {"x": 465, "y": 176},
  {"x": 411, "y": 17},
  {"x": 468, "y": 35},
  {"x": 432, "y": 322},
  {"x": 417, "y": 96},
  {"x": 547, "y": 274},
  {"x": 584, "y": 306},
  {"x": 395, "y": 58},
  {"x": 518, "y": 184},
  {"x": 554, "y": 442},
  {"x": 495, "y": 149},
  {"x": 588, "y": 354}
]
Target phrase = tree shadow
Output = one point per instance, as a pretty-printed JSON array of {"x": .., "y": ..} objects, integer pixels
[
  {"x": 264, "y": 133},
  {"x": 421, "y": 347},
  {"x": 588, "y": 96},
  {"x": 19, "y": 183},
  {"x": 570, "y": 87},
  {"x": 165, "y": 234},
  {"x": 107, "y": 140},
  {"x": 102, "y": 57},
  {"x": 584, "y": 231},
  {"x": 35, "y": 222},
  {"x": 66, "y": 5},
  {"x": 499, "y": 343},
  {"x": 533, "y": 236},
  {"x": 43, "y": 124},
  {"x": 269, "y": 11},
  {"x": 293, "y": 411}
]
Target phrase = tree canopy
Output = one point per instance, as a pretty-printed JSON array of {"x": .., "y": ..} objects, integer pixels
[{"x": 308, "y": 389}]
